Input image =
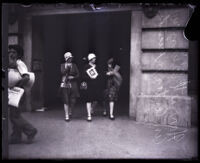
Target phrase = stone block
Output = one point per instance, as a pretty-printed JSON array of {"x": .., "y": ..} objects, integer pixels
[
  {"x": 135, "y": 54},
  {"x": 175, "y": 40},
  {"x": 164, "y": 110},
  {"x": 13, "y": 28},
  {"x": 12, "y": 40},
  {"x": 164, "y": 61},
  {"x": 153, "y": 40},
  {"x": 163, "y": 84},
  {"x": 167, "y": 18}
]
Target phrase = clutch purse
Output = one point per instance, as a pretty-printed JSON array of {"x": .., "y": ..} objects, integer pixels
[{"x": 83, "y": 86}]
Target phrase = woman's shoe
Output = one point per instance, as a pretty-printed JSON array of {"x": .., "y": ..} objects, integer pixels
[
  {"x": 67, "y": 119},
  {"x": 31, "y": 137},
  {"x": 112, "y": 117},
  {"x": 104, "y": 113},
  {"x": 89, "y": 118}
]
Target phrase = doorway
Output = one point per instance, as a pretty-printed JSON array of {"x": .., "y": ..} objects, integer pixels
[{"x": 106, "y": 34}]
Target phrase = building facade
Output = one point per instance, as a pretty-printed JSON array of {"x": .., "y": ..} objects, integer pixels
[{"x": 161, "y": 58}]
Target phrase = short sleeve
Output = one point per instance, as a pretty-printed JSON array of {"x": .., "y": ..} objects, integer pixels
[{"x": 22, "y": 68}]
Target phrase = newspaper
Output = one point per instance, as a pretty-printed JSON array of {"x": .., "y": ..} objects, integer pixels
[
  {"x": 14, "y": 96},
  {"x": 92, "y": 72}
]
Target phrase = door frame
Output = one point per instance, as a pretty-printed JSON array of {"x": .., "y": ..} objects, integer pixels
[{"x": 135, "y": 47}]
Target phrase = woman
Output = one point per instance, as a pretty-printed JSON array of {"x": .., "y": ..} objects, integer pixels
[
  {"x": 113, "y": 84},
  {"x": 91, "y": 78},
  {"x": 69, "y": 86}
]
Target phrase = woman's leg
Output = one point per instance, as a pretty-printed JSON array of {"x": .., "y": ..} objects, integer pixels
[
  {"x": 70, "y": 111},
  {"x": 66, "y": 103},
  {"x": 111, "y": 105},
  {"x": 66, "y": 108},
  {"x": 104, "y": 108},
  {"x": 72, "y": 104},
  {"x": 93, "y": 106},
  {"x": 89, "y": 108}
]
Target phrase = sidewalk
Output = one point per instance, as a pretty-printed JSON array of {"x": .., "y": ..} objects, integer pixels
[{"x": 103, "y": 138}]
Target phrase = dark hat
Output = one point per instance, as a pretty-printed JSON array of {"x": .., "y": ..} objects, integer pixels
[
  {"x": 110, "y": 61},
  {"x": 19, "y": 50}
]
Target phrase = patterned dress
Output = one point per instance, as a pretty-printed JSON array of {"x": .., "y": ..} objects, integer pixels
[{"x": 112, "y": 86}]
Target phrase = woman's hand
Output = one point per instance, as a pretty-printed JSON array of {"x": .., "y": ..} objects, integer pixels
[
  {"x": 70, "y": 77},
  {"x": 110, "y": 73},
  {"x": 83, "y": 85}
]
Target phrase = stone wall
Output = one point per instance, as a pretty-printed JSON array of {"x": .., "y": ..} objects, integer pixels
[
  {"x": 163, "y": 97},
  {"x": 13, "y": 34},
  {"x": 16, "y": 36}
]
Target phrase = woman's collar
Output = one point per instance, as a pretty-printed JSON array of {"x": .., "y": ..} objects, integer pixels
[{"x": 91, "y": 64}]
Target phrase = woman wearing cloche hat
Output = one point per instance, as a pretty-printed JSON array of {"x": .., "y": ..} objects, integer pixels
[
  {"x": 69, "y": 86},
  {"x": 90, "y": 82}
]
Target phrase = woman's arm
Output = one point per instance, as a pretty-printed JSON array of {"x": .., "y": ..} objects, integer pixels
[
  {"x": 63, "y": 69},
  {"x": 23, "y": 81},
  {"x": 23, "y": 70},
  {"x": 77, "y": 74}
]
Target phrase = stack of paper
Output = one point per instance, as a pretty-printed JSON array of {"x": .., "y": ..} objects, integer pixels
[{"x": 14, "y": 96}]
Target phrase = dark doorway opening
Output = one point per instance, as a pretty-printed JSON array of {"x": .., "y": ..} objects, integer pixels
[{"x": 105, "y": 34}]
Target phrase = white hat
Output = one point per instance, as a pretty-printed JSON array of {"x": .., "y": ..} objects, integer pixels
[
  {"x": 91, "y": 56},
  {"x": 68, "y": 55}
]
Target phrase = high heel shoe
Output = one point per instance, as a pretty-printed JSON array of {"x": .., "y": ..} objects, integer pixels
[
  {"x": 67, "y": 119},
  {"x": 89, "y": 118},
  {"x": 104, "y": 113},
  {"x": 112, "y": 117}
]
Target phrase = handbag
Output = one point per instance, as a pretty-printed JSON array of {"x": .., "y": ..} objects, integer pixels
[{"x": 83, "y": 85}]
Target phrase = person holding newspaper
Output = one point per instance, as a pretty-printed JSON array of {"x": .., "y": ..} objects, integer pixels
[
  {"x": 18, "y": 79},
  {"x": 91, "y": 83}
]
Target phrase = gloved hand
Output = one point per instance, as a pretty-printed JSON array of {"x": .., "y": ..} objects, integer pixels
[{"x": 83, "y": 85}]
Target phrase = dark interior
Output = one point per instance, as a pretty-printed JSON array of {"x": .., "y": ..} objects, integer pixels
[{"x": 105, "y": 34}]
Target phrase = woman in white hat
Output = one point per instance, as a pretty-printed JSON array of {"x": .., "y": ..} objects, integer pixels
[
  {"x": 69, "y": 86},
  {"x": 91, "y": 83}
]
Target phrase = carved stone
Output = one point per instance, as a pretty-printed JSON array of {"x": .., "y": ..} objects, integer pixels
[
  {"x": 13, "y": 28},
  {"x": 164, "y": 110},
  {"x": 153, "y": 40},
  {"x": 175, "y": 39},
  {"x": 164, "y": 84},
  {"x": 167, "y": 18},
  {"x": 164, "y": 61},
  {"x": 13, "y": 40}
]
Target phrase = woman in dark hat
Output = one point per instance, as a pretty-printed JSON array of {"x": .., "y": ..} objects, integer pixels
[
  {"x": 69, "y": 85},
  {"x": 113, "y": 83},
  {"x": 18, "y": 79}
]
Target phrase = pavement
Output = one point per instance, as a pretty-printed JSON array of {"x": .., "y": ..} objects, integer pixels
[{"x": 123, "y": 138}]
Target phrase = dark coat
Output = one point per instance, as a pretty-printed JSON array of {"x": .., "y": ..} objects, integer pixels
[
  {"x": 71, "y": 71},
  {"x": 94, "y": 89}
]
